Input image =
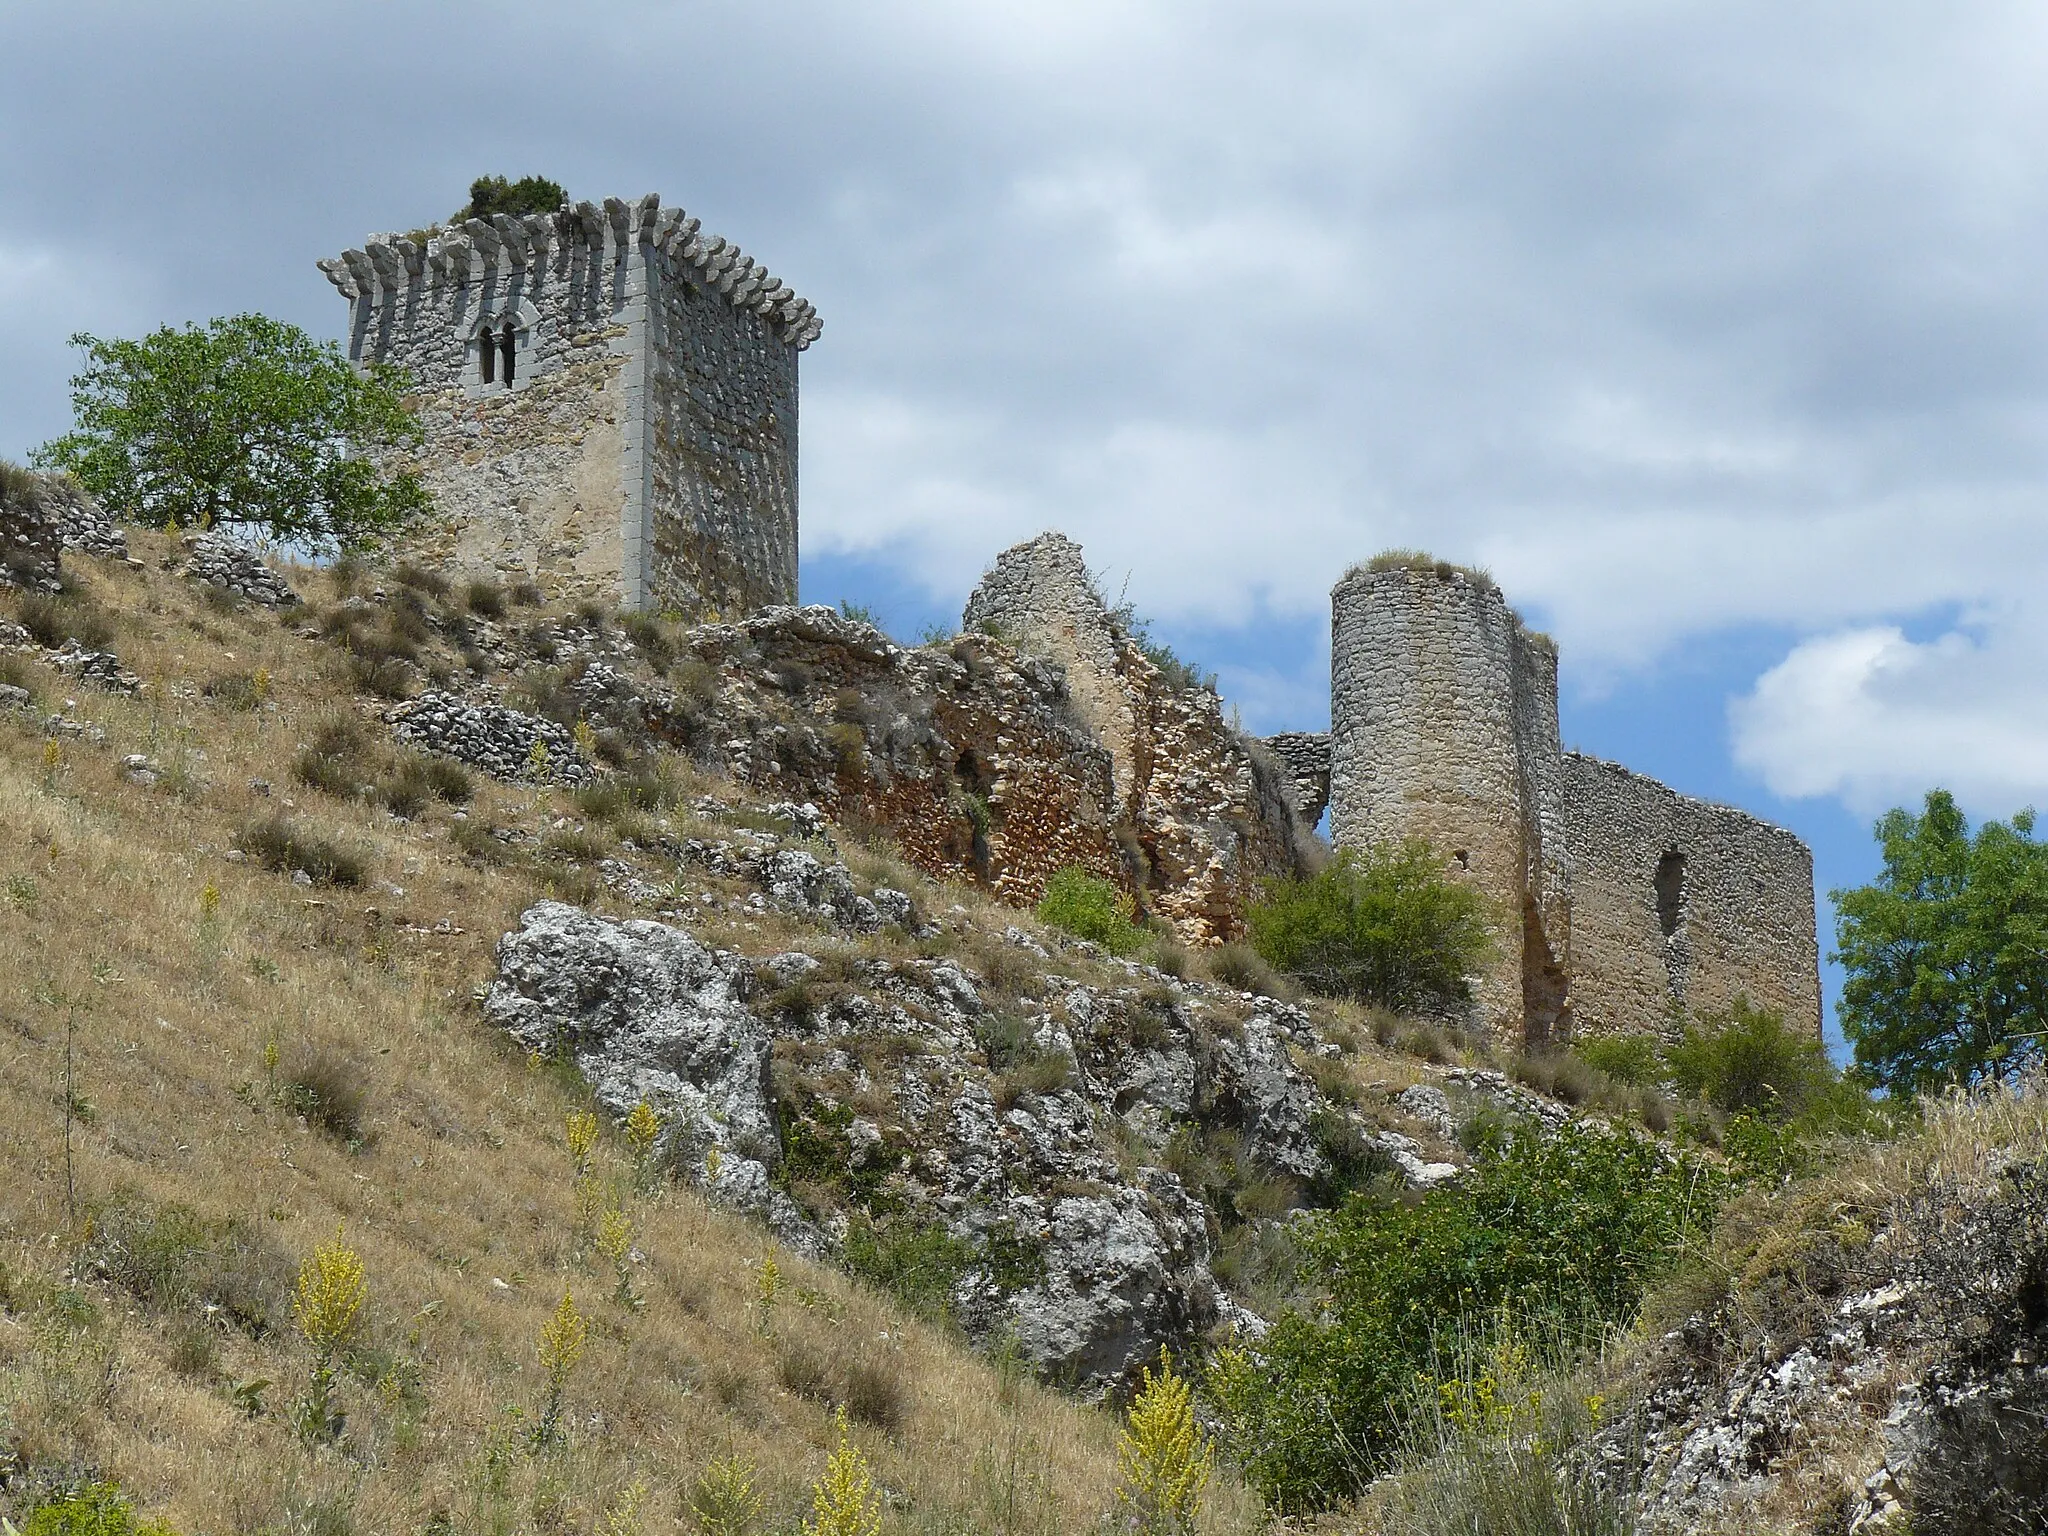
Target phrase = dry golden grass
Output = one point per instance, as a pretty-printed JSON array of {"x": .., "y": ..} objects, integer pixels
[{"x": 458, "y": 1193}]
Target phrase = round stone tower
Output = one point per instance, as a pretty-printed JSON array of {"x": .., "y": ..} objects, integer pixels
[{"x": 1443, "y": 725}]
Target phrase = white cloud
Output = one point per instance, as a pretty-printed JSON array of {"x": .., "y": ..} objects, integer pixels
[{"x": 1875, "y": 718}]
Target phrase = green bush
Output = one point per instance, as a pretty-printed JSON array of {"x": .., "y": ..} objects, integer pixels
[
  {"x": 1634, "y": 1059},
  {"x": 918, "y": 1263},
  {"x": 170, "y": 1258},
  {"x": 499, "y": 194},
  {"x": 1568, "y": 1230},
  {"x": 96, "y": 1510},
  {"x": 1090, "y": 908},
  {"x": 1747, "y": 1061},
  {"x": 1383, "y": 925}
]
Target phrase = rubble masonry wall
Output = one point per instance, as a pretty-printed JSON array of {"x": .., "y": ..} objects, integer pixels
[{"x": 1678, "y": 903}]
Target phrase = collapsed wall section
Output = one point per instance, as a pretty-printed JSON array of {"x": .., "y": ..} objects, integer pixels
[
  {"x": 1205, "y": 817},
  {"x": 1443, "y": 726},
  {"x": 1681, "y": 906},
  {"x": 1306, "y": 757}
]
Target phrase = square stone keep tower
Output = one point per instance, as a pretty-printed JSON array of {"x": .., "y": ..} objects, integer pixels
[{"x": 609, "y": 396}]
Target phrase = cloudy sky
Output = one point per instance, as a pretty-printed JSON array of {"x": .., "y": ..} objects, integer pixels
[{"x": 1718, "y": 331}]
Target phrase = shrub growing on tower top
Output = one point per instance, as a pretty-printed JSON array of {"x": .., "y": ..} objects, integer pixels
[
  {"x": 1381, "y": 924},
  {"x": 245, "y": 422},
  {"x": 496, "y": 194}
]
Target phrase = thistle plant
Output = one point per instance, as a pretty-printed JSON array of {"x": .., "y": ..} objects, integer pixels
[
  {"x": 844, "y": 1502},
  {"x": 328, "y": 1305},
  {"x": 586, "y": 738},
  {"x": 1163, "y": 1462},
  {"x": 562, "y": 1338},
  {"x": 537, "y": 764},
  {"x": 723, "y": 1501}
]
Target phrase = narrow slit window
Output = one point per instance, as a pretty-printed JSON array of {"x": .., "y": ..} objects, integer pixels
[
  {"x": 487, "y": 357},
  {"x": 511, "y": 342}
]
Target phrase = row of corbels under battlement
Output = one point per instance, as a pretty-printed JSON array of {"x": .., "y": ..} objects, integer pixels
[{"x": 393, "y": 263}]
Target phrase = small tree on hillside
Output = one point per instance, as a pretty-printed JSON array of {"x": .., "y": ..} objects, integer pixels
[
  {"x": 1383, "y": 924},
  {"x": 244, "y": 422},
  {"x": 1947, "y": 950}
]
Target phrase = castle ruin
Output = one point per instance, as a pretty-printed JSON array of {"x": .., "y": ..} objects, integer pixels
[
  {"x": 610, "y": 401},
  {"x": 1616, "y": 904}
]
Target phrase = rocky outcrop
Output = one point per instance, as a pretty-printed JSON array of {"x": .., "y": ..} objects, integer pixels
[
  {"x": 1206, "y": 817},
  {"x": 1889, "y": 1366},
  {"x": 1053, "y": 1135},
  {"x": 651, "y": 1016},
  {"x": 505, "y": 743},
  {"x": 969, "y": 755},
  {"x": 222, "y": 563}
]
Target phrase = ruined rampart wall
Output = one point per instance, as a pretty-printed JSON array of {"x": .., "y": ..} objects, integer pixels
[
  {"x": 1682, "y": 905},
  {"x": 609, "y": 397},
  {"x": 1306, "y": 757},
  {"x": 1206, "y": 817},
  {"x": 1443, "y": 725}
]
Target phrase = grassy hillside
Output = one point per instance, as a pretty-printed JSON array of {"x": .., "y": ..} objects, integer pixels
[{"x": 258, "y": 1065}]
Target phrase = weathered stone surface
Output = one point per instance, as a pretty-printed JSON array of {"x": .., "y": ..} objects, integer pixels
[
  {"x": 221, "y": 562},
  {"x": 969, "y": 755},
  {"x": 1918, "y": 1352},
  {"x": 1207, "y": 817},
  {"x": 650, "y": 1015},
  {"x": 82, "y": 523},
  {"x": 1680, "y": 902},
  {"x": 102, "y": 669},
  {"x": 505, "y": 743}
]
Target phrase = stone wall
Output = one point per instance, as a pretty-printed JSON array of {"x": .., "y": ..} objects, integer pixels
[
  {"x": 1612, "y": 900},
  {"x": 722, "y": 404},
  {"x": 1678, "y": 903},
  {"x": 1305, "y": 755},
  {"x": 1208, "y": 817},
  {"x": 1443, "y": 725},
  {"x": 609, "y": 397}
]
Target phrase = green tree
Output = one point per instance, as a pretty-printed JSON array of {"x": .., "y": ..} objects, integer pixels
[
  {"x": 495, "y": 194},
  {"x": 1382, "y": 924},
  {"x": 1947, "y": 950},
  {"x": 244, "y": 422}
]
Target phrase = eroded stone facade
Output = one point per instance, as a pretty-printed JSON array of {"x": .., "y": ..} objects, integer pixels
[
  {"x": 609, "y": 396},
  {"x": 1616, "y": 904},
  {"x": 1206, "y": 816}
]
